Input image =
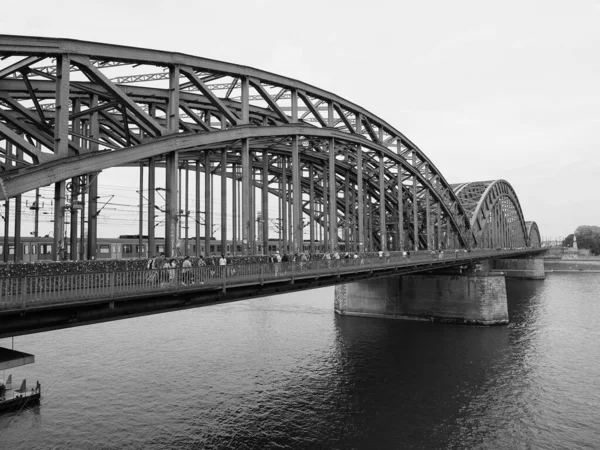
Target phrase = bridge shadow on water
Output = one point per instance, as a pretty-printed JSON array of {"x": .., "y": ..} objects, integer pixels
[{"x": 423, "y": 385}]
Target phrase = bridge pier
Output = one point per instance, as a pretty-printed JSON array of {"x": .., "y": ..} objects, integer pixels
[
  {"x": 469, "y": 298},
  {"x": 524, "y": 269}
]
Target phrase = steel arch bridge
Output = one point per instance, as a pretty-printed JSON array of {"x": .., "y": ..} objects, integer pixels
[{"x": 70, "y": 109}]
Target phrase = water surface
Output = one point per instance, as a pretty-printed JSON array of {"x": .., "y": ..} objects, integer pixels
[{"x": 286, "y": 372}]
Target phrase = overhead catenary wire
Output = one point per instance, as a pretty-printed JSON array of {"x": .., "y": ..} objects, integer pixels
[{"x": 124, "y": 211}]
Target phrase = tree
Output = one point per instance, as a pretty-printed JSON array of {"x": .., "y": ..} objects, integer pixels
[
  {"x": 568, "y": 241},
  {"x": 587, "y": 229},
  {"x": 588, "y": 237}
]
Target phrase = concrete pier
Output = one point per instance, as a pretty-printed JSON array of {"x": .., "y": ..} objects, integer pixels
[
  {"x": 473, "y": 297},
  {"x": 524, "y": 269}
]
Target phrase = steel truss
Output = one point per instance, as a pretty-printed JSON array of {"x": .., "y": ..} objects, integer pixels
[
  {"x": 70, "y": 109},
  {"x": 496, "y": 215}
]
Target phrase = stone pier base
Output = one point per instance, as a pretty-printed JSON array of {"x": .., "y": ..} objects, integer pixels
[
  {"x": 474, "y": 298},
  {"x": 525, "y": 269}
]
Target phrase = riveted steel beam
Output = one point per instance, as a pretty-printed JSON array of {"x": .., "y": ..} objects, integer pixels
[
  {"x": 145, "y": 121},
  {"x": 215, "y": 101},
  {"x": 18, "y": 66},
  {"x": 312, "y": 108},
  {"x": 17, "y": 140},
  {"x": 272, "y": 104}
]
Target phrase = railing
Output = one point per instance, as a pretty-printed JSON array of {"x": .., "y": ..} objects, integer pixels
[{"x": 37, "y": 291}]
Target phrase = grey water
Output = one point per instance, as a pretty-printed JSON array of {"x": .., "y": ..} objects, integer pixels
[{"x": 286, "y": 372}]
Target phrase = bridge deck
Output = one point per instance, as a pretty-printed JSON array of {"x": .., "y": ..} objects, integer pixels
[{"x": 30, "y": 304}]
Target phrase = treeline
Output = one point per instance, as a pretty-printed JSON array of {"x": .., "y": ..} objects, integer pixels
[{"x": 588, "y": 236}]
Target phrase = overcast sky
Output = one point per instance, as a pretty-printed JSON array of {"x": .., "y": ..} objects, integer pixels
[{"x": 487, "y": 90}]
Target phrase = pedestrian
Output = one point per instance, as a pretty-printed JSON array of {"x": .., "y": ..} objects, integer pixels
[
  {"x": 222, "y": 264},
  {"x": 380, "y": 253},
  {"x": 201, "y": 272},
  {"x": 230, "y": 270},
  {"x": 303, "y": 259},
  {"x": 160, "y": 264},
  {"x": 187, "y": 270},
  {"x": 277, "y": 262},
  {"x": 285, "y": 262},
  {"x": 152, "y": 277},
  {"x": 171, "y": 266},
  {"x": 335, "y": 258}
]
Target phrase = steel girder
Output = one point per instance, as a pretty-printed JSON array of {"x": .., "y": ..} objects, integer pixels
[
  {"x": 39, "y": 175},
  {"x": 535, "y": 238},
  {"x": 350, "y": 151},
  {"x": 496, "y": 215}
]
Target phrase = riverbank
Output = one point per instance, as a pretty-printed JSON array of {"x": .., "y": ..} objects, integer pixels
[{"x": 572, "y": 265}]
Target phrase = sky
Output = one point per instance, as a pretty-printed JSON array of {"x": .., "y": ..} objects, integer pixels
[{"x": 504, "y": 90}]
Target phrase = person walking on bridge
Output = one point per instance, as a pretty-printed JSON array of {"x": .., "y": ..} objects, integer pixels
[
  {"x": 303, "y": 260},
  {"x": 285, "y": 262},
  {"x": 171, "y": 269},
  {"x": 201, "y": 272},
  {"x": 159, "y": 265},
  {"x": 327, "y": 258},
  {"x": 222, "y": 265},
  {"x": 187, "y": 270},
  {"x": 153, "y": 274},
  {"x": 276, "y": 262}
]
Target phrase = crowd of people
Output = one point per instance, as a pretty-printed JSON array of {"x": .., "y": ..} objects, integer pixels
[{"x": 165, "y": 270}]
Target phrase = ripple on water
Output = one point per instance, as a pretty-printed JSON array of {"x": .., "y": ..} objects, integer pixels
[{"x": 286, "y": 372}]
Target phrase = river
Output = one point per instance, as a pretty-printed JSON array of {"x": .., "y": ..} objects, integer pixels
[{"x": 286, "y": 372}]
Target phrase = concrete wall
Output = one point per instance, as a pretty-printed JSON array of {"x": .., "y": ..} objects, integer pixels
[
  {"x": 478, "y": 298},
  {"x": 528, "y": 268},
  {"x": 572, "y": 265},
  {"x": 377, "y": 297}
]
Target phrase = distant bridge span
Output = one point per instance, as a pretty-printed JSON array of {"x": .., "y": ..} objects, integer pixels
[{"x": 341, "y": 175}]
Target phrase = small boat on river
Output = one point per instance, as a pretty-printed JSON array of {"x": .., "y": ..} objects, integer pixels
[{"x": 16, "y": 399}]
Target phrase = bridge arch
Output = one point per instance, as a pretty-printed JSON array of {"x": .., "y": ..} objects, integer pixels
[
  {"x": 70, "y": 108},
  {"x": 496, "y": 215},
  {"x": 535, "y": 238}
]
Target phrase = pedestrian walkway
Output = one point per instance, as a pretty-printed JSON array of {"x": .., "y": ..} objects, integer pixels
[{"x": 60, "y": 290}]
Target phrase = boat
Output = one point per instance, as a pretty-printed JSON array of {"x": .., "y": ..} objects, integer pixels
[
  {"x": 20, "y": 398},
  {"x": 16, "y": 399}
]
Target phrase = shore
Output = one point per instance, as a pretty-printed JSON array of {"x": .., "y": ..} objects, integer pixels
[{"x": 591, "y": 264}]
